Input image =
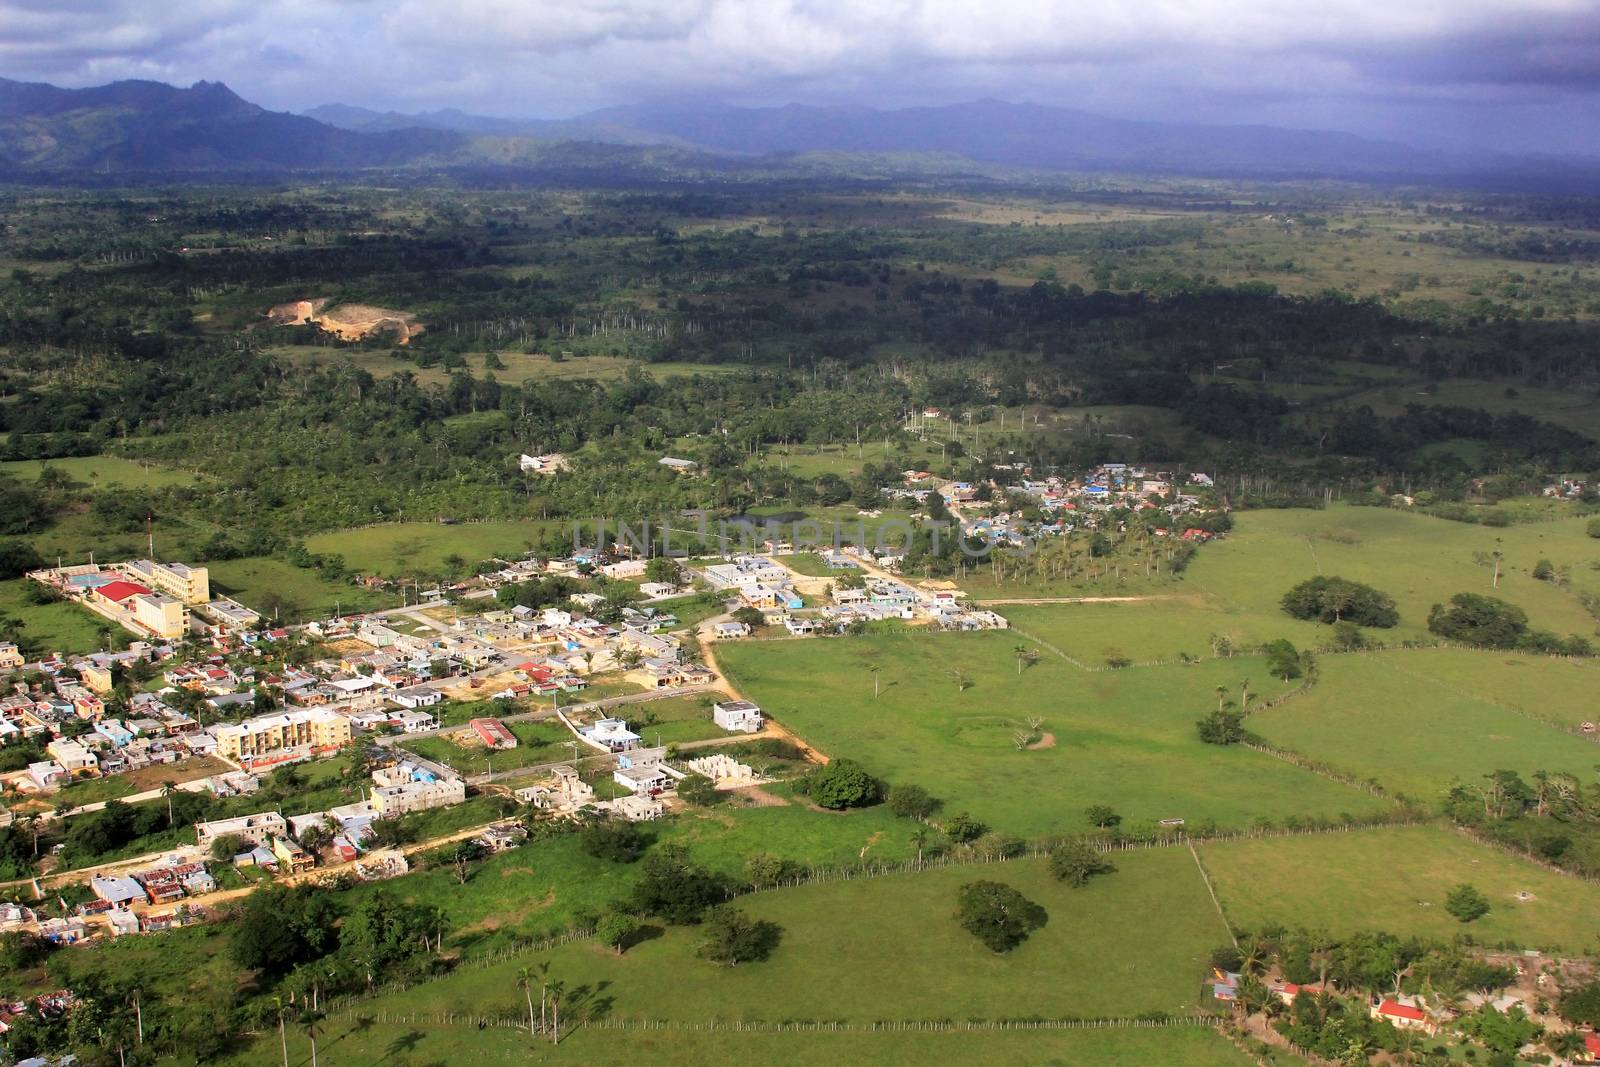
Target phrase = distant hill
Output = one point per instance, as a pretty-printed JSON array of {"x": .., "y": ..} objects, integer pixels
[{"x": 151, "y": 126}]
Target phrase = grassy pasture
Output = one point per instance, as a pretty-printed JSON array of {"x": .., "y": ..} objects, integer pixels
[
  {"x": 1395, "y": 879},
  {"x": 537, "y": 742},
  {"x": 1099, "y": 954},
  {"x": 1125, "y": 738},
  {"x": 57, "y": 626},
  {"x": 1372, "y": 716},
  {"x": 299, "y": 594},
  {"x": 99, "y": 472},
  {"x": 1270, "y": 551},
  {"x": 424, "y": 1043},
  {"x": 1561, "y": 691},
  {"x": 1576, "y": 411},
  {"x": 405, "y": 548},
  {"x": 1154, "y": 629}
]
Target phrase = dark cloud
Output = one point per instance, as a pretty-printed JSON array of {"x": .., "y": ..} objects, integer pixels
[{"x": 1484, "y": 69}]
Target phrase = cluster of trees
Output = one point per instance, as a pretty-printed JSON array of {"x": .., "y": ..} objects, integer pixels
[
  {"x": 1330, "y": 599},
  {"x": 1550, "y": 814},
  {"x": 1489, "y": 622}
]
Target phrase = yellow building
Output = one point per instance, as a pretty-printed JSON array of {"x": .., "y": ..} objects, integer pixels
[
  {"x": 95, "y": 676},
  {"x": 192, "y": 585},
  {"x": 305, "y": 728},
  {"x": 10, "y": 657},
  {"x": 162, "y": 615}
]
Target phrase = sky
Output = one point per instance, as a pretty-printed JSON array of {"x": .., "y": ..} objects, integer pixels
[{"x": 1521, "y": 75}]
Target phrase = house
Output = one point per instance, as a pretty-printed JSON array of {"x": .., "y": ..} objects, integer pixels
[
  {"x": 71, "y": 755},
  {"x": 414, "y": 722},
  {"x": 291, "y": 857},
  {"x": 64, "y": 931},
  {"x": 549, "y": 463},
  {"x": 727, "y": 631},
  {"x": 10, "y": 657},
  {"x": 1404, "y": 1016},
  {"x": 801, "y": 627},
  {"x": 399, "y": 799},
  {"x": 612, "y": 734},
  {"x": 493, "y": 733},
  {"x": 634, "y": 808},
  {"x": 47, "y": 774},
  {"x": 740, "y": 716},
  {"x": 722, "y": 769},
  {"x": 643, "y": 771},
  {"x": 257, "y": 829},
  {"x": 419, "y": 697},
  {"x": 118, "y": 890},
  {"x": 657, "y": 590},
  {"x": 627, "y": 568},
  {"x": 674, "y": 463}
]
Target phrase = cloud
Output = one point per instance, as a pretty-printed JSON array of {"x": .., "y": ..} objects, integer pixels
[{"x": 1242, "y": 59}]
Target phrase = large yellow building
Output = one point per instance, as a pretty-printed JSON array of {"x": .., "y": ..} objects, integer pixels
[
  {"x": 305, "y": 728},
  {"x": 162, "y": 615},
  {"x": 192, "y": 585}
]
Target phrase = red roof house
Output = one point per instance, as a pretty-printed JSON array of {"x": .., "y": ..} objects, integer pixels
[
  {"x": 117, "y": 592},
  {"x": 493, "y": 733}
]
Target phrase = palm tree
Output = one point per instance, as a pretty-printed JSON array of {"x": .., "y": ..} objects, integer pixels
[
  {"x": 919, "y": 838},
  {"x": 168, "y": 788},
  {"x": 1244, "y": 695},
  {"x": 283, "y": 1035},
  {"x": 311, "y": 1023},
  {"x": 556, "y": 989},
  {"x": 874, "y": 668},
  {"x": 30, "y": 822},
  {"x": 135, "y": 996},
  {"x": 1021, "y": 652},
  {"x": 1566, "y": 1043},
  {"x": 526, "y": 977},
  {"x": 1222, "y": 695}
]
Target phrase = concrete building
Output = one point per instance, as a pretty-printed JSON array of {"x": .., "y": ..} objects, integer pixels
[
  {"x": 257, "y": 829},
  {"x": 391, "y": 800},
  {"x": 160, "y": 614},
  {"x": 738, "y": 715},
  {"x": 312, "y": 728},
  {"x": 192, "y": 585}
]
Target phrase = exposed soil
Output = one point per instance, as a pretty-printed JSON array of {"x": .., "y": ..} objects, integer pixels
[
  {"x": 1046, "y": 741},
  {"x": 349, "y": 322}
]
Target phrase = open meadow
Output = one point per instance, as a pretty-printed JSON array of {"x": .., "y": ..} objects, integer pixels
[
  {"x": 1370, "y": 716},
  {"x": 1099, "y": 954},
  {"x": 298, "y": 594},
  {"x": 1395, "y": 879},
  {"x": 404, "y": 549},
  {"x": 1125, "y": 738},
  {"x": 100, "y": 472}
]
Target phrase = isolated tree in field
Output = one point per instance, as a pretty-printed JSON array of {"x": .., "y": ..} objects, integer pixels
[
  {"x": 843, "y": 783},
  {"x": 1466, "y": 903},
  {"x": 1479, "y": 620},
  {"x": 1222, "y": 697},
  {"x": 526, "y": 980},
  {"x": 1116, "y": 659},
  {"x": 615, "y": 929},
  {"x": 911, "y": 801},
  {"x": 1222, "y": 728},
  {"x": 1101, "y": 815},
  {"x": 616, "y": 840},
  {"x": 732, "y": 937},
  {"x": 997, "y": 914},
  {"x": 1075, "y": 862},
  {"x": 1025, "y": 654},
  {"x": 311, "y": 1023},
  {"x": 962, "y": 677},
  {"x": 875, "y": 669},
  {"x": 1330, "y": 599},
  {"x": 1544, "y": 571}
]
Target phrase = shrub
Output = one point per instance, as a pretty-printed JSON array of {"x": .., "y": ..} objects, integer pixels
[
  {"x": 911, "y": 802},
  {"x": 1466, "y": 903},
  {"x": 1075, "y": 862},
  {"x": 614, "y": 839},
  {"x": 1222, "y": 728},
  {"x": 841, "y": 784}
]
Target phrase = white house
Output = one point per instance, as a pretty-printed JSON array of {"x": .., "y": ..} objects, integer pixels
[
  {"x": 612, "y": 733},
  {"x": 740, "y": 716},
  {"x": 415, "y": 722},
  {"x": 626, "y": 568},
  {"x": 419, "y": 697}
]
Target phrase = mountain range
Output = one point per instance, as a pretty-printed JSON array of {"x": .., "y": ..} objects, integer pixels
[{"x": 150, "y": 127}]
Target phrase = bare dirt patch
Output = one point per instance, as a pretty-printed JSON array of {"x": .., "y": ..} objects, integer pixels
[
  {"x": 348, "y": 322},
  {"x": 1045, "y": 741}
]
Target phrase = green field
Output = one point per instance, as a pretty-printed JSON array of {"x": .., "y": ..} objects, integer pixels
[
  {"x": 1558, "y": 690},
  {"x": 1098, "y": 955},
  {"x": 405, "y": 549},
  {"x": 1373, "y": 718},
  {"x": 426, "y": 1043},
  {"x": 298, "y": 594},
  {"x": 537, "y": 742},
  {"x": 1161, "y": 628},
  {"x": 1573, "y": 409},
  {"x": 97, "y": 472},
  {"x": 1125, "y": 738},
  {"x": 1395, "y": 879},
  {"x": 58, "y": 627},
  {"x": 673, "y": 720}
]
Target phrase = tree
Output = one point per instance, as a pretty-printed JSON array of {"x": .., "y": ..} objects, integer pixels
[
  {"x": 224, "y": 848},
  {"x": 911, "y": 801},
  {"x": 311, "y": 1023},
  {"x": 526, "y": 979},
  {"x": 1283, "y": 659},
  {"x": 732, "y": 937},
  {"x": 1330, "y": 599},
  {"x": 751, "y": 617},
  {"x": 1466, "y": 903},
  {"x": 698, "y": 790},
  {"x": 615, "y": 929},
  {"x": 1484, "y": 621},
  {"x": 843, "y": 783},
  {"x": 665, "y": 570},
  {"x": 997, "y": 915},
  {"x": 1222, "y": 728},
  {"x": 1075, "y": 862},
  {"x": 676, "y": 889},
  {"x": 1347, "y": 636},
  {"x": 1101, "y": 815},
  {"x": 962, "y": 828},
  {"x": 616, "y": 840},
  {"x": 168, "y": 789},
  {"x": 876, "y": 670},
  {"x": 1026, "y": 656},
  {"x": 1544, "y": 571},
  {"x": 1116, "y": 659},
  {"x": 1580, "y": 1005}
]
